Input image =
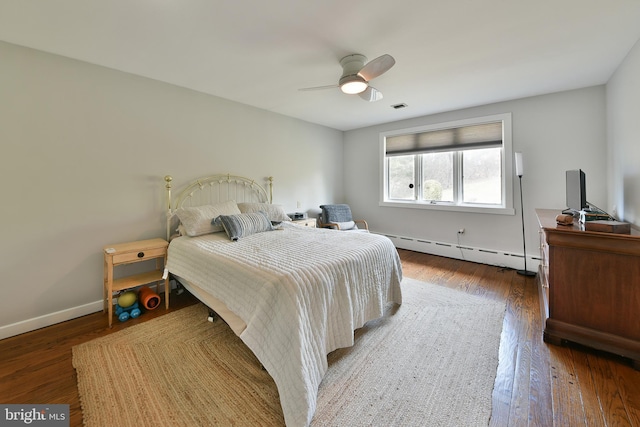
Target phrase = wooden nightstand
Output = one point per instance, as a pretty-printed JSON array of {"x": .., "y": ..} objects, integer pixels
[
  {"x": 131, "y": 252},
  {"x": 307, "y": 222}
]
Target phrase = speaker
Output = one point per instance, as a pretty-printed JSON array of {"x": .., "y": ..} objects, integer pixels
[{"x": 519, "y": 166}]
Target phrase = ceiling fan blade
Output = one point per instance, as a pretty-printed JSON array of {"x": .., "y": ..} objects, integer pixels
[
  {"x": 305, "y": 89},
  {"x": 371, "y": 94},
  {"x": 376, "y": 67}
]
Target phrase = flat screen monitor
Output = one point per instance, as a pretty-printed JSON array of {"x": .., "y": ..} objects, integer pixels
[{"x": 576, "y": 190}]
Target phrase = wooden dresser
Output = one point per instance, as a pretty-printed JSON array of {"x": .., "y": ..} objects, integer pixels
[{"x": 589, "y": 286}]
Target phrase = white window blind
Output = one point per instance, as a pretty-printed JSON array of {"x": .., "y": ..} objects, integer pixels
[{"x": 483, "y": 135}]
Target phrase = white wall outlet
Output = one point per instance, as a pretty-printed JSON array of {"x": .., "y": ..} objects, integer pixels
[
  {"x": 298, "y": 205},
  {"x": 461, "y": 231}
]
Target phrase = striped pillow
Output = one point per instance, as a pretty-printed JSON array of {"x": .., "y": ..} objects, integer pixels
[{"x": 245, "y": 224}]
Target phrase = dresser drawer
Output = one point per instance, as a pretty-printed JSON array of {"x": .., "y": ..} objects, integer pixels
[{"x": 138, "y": 255}]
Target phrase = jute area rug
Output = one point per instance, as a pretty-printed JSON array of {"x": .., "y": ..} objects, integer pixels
[{"x": 430, "y": 362}]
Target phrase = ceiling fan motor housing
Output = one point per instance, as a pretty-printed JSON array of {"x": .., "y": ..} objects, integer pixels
[{"x": 352, "y": 64}]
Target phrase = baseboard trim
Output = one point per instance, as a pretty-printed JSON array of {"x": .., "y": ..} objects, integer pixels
[
  {"x": 465, "y": 252},
  {"x": 45, "y": 320},
  {"x": 49, "y": 319}
]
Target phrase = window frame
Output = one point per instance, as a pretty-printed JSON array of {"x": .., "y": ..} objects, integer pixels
[{"x": 505, "y": 208}]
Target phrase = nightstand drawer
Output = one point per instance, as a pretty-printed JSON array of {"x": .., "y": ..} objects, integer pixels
[{"x": 138, "y": 255}]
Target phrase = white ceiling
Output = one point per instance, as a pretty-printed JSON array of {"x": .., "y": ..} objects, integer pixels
[{"x": 449, "y": 54}]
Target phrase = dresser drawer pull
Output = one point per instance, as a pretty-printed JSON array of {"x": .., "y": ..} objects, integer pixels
[{"x": 140, "y": 254}]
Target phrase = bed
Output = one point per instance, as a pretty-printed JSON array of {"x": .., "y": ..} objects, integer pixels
[{"x": 292, "y": 294}]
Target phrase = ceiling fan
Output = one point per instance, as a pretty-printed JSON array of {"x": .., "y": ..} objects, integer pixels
[{"x": 356, "y": 76}]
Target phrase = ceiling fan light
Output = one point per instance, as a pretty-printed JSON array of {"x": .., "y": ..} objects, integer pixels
[{"x": 353, "y": 85}]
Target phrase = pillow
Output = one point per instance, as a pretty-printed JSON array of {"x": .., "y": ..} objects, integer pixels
[
  {"x": 197, "y": 220},
  {"x": 245, "y": 224},
  {"x": 274, "y": 212}
]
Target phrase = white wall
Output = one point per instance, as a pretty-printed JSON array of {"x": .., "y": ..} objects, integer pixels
[
  {"x": 84, "y": 153},
  {"x": 623, "y": 120},
  {"x": 554, "y": 132}
]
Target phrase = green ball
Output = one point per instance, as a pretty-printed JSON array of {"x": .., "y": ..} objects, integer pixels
[{"x": 127, "y": 299}]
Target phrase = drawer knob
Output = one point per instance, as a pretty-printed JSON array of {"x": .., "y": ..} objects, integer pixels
[{"x": 140, "y": 254}]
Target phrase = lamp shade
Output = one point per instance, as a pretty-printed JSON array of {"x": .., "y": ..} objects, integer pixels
[{"x": 519, "y": 166}]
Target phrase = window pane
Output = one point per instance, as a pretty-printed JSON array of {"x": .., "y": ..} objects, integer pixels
[
  {"x": 437, "y": 176},
  {"x": 482, "y": 180},
  {"x": 401, "y": 177}
]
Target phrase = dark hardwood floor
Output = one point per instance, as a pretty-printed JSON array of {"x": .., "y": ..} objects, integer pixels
[{"x": 537, "y": 384}]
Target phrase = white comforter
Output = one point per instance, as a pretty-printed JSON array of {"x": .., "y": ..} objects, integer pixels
[{"x": 301, "y": 291}]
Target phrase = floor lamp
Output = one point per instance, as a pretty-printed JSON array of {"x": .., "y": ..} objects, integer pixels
[{"x": 520, "y": 172}]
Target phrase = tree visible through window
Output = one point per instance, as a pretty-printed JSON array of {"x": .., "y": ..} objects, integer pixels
[
  {"x": 481, "y": 176},
  {"x": 437, "y": 176},
  {"x": 401, "y": 177}
]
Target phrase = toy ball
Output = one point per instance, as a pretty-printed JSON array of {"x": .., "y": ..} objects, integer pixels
[{"x": 127, "y": 299}]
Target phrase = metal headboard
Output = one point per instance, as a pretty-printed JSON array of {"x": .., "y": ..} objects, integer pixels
[{"x": 217, "y": 188}]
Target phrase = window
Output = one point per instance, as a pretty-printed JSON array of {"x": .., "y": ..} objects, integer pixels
[{"x": 461, "y": 165}]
